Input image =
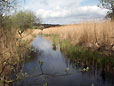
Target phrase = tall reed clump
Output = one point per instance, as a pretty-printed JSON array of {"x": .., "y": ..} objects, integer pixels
[
  {"x": 12, "y": 51},
  {"x": 96, "y": 35}
]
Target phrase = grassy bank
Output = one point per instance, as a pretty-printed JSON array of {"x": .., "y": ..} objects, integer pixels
[
  {"x": 98, "y": 55},
  {"x": 95, "y": 35},
  {"x": 30, "y": 34},
  {"x": 79, "y": 54}
]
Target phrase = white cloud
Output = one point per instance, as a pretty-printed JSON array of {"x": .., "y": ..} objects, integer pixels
[
  {"x": 79, "y": 11},
  {"x": 59, "y": 10},
  {"x": 90, "y": 10},
  {"x": 52, "y": 13}
]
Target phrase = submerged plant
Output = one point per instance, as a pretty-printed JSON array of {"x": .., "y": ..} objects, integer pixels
[
  {"x": 54, "y": 46},
  {"x": 67, "y": 70},
  {"x": 40, "y": 62},
  {"x": 92, "y": 84},
  {"x": 45, "y": 83},
  {"x": 85, "y": 69}
]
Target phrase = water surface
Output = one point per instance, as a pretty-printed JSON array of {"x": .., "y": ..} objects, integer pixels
[{"x": 55, "y": 63}]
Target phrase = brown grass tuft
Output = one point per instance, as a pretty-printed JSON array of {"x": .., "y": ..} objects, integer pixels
[
  {"x": 87, "y": 34},
  {"x": 13, "y": 48}
]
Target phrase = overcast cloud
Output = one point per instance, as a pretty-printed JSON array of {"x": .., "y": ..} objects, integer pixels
[{"x": 65, "y": 11}]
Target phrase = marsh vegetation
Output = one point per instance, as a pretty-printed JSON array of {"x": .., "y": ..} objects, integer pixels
[
  {"x": 91, "y": 43},
  {"x": 67, "y": 54}
]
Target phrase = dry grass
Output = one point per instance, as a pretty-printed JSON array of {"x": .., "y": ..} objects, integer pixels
[
  {"x": 8, "y": 48},
  {"x": 87, "y": 34},
  {"x": 30, "y": 34},
  {"x": 13, "y": 48}
]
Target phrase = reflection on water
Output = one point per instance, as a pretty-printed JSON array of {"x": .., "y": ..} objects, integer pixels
[{"x": 55, "y": 63}]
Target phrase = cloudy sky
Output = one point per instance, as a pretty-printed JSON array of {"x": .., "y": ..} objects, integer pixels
[{"x": 65, "y": 11}]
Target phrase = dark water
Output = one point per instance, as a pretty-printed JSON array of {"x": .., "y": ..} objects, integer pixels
[{"x": 54, "y": 67}]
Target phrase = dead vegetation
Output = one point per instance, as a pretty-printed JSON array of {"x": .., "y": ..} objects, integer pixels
[
  {"x": 14, "y": 48},
  {"x": 95, "y": 35}
]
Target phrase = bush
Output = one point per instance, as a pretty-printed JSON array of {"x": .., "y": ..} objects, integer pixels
[{"x": 23, "y": 19}]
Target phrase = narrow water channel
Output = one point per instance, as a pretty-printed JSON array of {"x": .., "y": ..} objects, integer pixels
[{"x": 54, "y": 67}]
